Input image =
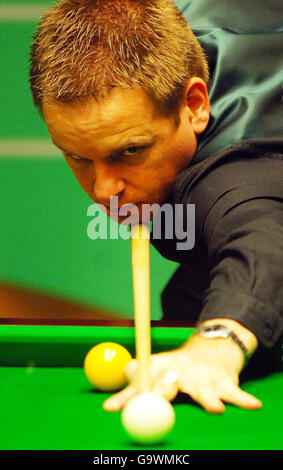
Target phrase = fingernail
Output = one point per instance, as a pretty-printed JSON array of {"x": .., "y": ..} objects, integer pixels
[{"x": 255, "y": 400}]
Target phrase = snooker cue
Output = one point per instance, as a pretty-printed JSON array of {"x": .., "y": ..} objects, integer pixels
[{"x": 140, "y": 251}]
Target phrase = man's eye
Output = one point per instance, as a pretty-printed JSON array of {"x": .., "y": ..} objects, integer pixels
[
  {"x": 130, "y": 151},
  {"x": 125, "y": 155},
  {"x": 73, "y": 157}
]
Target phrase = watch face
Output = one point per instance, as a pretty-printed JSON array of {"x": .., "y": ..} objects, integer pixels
[{"x": 215, "y": 331}]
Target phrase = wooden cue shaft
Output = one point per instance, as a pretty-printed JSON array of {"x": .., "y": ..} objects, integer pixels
[{"x": 140, "y": 249}]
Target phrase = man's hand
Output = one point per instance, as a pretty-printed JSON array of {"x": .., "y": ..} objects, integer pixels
[{"x": 207, "y": 370}]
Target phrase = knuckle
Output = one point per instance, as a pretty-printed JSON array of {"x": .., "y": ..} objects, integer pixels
[{"x": 131, "y": 368}]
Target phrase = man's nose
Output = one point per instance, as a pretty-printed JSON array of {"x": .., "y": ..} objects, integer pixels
[{"x": 107, "y": 183}]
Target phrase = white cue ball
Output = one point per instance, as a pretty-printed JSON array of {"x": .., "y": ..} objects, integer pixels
[{"x": 148, "y": 418}]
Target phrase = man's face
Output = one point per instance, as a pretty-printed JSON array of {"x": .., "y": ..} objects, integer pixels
[{"x": 121, "y": 146}]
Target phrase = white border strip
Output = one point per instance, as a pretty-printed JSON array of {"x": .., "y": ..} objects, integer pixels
[
  {"x": 22, "y": 13},
  {"x": 29, "y": 148}
]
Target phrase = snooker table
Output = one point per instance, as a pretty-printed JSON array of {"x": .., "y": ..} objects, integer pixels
[{"x": 48, "y": 404}]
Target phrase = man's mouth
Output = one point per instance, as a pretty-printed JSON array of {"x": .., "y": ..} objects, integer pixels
[{"x": 123, "y": 209}]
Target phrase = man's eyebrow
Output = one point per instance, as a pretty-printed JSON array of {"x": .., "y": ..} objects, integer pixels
[{"x": 136, "y": 141}]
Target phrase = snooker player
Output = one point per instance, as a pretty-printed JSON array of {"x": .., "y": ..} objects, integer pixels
[{"x": 123, "y": 88}]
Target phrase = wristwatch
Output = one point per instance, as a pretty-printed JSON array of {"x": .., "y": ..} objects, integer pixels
[{"x": 222, "y": 331}]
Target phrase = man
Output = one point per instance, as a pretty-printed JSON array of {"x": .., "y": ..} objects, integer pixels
[{"x": 122, "y": 87}]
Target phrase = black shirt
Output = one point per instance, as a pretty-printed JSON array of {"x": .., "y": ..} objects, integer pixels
[
  {"x": 235, "y": 269},
  {"x": 235, "y": 180}
]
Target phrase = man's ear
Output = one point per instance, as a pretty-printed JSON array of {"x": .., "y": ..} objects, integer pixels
[{"x": 197, "y": 102}]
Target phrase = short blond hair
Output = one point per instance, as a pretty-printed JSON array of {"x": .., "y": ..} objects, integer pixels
[{"x": 84, "y": 48}]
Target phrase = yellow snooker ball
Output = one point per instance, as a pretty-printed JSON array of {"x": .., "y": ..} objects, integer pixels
[{"x": 104, "y": 366}]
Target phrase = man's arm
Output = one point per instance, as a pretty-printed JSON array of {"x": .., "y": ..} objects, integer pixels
[
  {"x": 245, "y": 249},
  {"x": 244, "y": 242}
]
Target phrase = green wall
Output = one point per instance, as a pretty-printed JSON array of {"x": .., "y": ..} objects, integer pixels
[{"x": 43, "y": 210}]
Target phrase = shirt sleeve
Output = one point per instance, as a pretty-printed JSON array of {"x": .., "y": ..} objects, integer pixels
[
  {"x": 244, "y": 239},
  {"x": 238, "y": 198}
]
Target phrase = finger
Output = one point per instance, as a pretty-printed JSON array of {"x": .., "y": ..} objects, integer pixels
[
  {"x": 117, "y": 402},
  {"x": 238, "y": 397},
  {"x": 204, "y": 394},
  {"x": 209, "y": 400},
  {"x": 202, "y": 391},
  {"x": 167, "y": 386}
]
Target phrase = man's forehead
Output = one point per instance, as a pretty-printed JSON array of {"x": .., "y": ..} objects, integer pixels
[
  {"x": 119, "y": 101},
  {"x": 125, "y": 111},
  {"x": 80, "y": 129}
]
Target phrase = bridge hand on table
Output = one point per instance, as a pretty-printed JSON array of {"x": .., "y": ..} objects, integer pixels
[{"x": 208, "y": 371}]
